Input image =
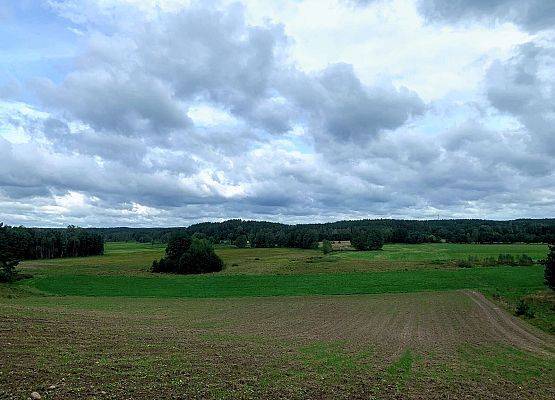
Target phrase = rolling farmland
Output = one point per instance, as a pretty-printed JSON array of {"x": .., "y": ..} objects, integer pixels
[{"x": 277, "y": 323}]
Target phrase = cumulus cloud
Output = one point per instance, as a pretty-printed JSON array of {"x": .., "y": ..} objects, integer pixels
[
  {"x": 144, "y": 80},
  {"x": 338, "y": 104},
  {"x": 194, "y": 112}
]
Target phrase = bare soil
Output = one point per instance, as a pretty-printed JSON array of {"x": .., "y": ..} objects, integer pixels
[{"x": 416, "y": 346}]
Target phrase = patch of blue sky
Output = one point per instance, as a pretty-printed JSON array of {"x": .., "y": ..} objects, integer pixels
[{"x": 35, "y": 42}]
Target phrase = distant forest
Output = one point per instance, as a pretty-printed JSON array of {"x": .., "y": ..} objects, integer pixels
[
  {"x": 19, "y": 243},
  {"x": 36, "y": 243},
  {"x": 270, "y": 234}
]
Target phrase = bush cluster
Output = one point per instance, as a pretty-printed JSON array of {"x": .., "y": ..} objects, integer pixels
[
  {"x": 523, "y": 309},
  {"x": 186, "y": 255},
  {"x": 502, "y": 259}
]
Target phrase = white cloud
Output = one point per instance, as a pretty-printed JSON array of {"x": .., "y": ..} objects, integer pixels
[
  {"x": 298, "y": 111},
  {"x": 205, "y": 115}
]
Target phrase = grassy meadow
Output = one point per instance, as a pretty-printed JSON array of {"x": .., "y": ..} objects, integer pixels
[{"x": 280, "y": 323}]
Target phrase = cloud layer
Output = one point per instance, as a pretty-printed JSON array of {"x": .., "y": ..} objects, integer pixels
[{"x": 168, "y": 114}]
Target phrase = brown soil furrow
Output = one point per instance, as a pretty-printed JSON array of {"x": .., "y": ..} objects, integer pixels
[
  {"x": 262, "y": 348},
  {"x": 510, "y": 328}
]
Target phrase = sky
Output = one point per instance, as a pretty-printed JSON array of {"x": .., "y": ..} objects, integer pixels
[{"x": 171, "y": 112}]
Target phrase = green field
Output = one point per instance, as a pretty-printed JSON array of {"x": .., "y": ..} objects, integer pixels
[
  {"x": 446, "y": 251},
  {"x": 280, "y": 323},
  {"x": 214, "y": 285},
  {"x": 136, "y": 258}
]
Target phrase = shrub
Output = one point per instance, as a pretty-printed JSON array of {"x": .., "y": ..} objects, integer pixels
[
  {"x": 326, "y": 247},
  {"x": 8, "y": 273},
  {"x": 464, "y": 264},
  {"x": 524, "y": 259},
  {"x": 165, "y": 265},
  {"x": 199, "y": 259},
  {"x": 505, "y": 259},
  {"x": 188, "y": 256},
  {"x": 523, "y": 309},
  {"x": 473, "y": 260},
  {"x": 490, "y": 261}
]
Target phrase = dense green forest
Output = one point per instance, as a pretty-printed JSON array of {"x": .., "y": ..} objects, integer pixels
[
  {"x": 271, "y": 234},
  {"x": 35, "y": 243}
]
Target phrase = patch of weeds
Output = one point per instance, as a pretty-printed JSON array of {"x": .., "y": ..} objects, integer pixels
[
  {"x": 505, "y": 362},
  {"x": 463, "y": 264},
  {"x": 325, "y": 364},
  {"x": 325, "y": 358},
  {"x": 400, "y": 371}
]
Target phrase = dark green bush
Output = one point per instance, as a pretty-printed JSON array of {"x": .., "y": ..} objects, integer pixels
[
  {"x": 490, "y": 261},
  {"x": 188, "y": 256},
  {"x": 506, "y": 259},
  {"x": 8, "y": 273},
  {"x": 523, "y": 309},
  {"x": 463, "y": 264},
  {"x": 524, "y": 259},
  {"x": 326, "y": 247},
  {"x": 199, "y": 259}
]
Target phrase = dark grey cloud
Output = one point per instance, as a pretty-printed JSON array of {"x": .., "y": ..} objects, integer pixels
[
  {"x": 116, "y": 102},
  {"x": 533, "y": 15},
  {"x": 127, "y": 150},
  {"x": 143, "y": 81},
  {"x": 339, "y": 105}
]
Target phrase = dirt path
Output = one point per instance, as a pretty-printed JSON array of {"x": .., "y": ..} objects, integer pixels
[{"x": 511, "y": 328}]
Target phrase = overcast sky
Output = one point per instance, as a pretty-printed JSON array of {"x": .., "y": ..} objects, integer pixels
[{"x": 170, "y": 112}]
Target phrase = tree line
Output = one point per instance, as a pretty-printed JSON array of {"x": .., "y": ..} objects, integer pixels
[
  {"x": 38, "y": 243},
  {"x": 271, "y": 234}
]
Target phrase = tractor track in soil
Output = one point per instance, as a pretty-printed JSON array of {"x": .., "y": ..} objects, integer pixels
[{"x": 511, "y": 328}]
